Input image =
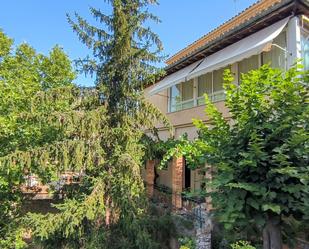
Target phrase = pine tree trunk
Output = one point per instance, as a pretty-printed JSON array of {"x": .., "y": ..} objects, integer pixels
[
  {"x": 272, "y": 234},
  {"x": 107, "y": 212}
]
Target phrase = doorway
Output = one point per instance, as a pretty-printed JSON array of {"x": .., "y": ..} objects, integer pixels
[{"x": 187, "y": 176}]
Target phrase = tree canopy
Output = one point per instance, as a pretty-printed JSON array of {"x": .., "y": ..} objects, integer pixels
[
  {"x": 260, "y": 156},
  {"x": 95, "y": 132},
  {"x": 27, "y": 80}
]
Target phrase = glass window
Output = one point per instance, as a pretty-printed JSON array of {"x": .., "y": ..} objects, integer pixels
[
  {"x": 175, "y": 97},
  {"x": 204, "y": 86},
  {"x": 218, "y": 79},
  {"x": 305, "y": 48},
  {"x": 187, "y": 90},
  {"x": 218, "y": 91},
  {"x": 276, "y": 57},
  {"x": 247, "y": 65},
  {"x": 181, "y": 96}
]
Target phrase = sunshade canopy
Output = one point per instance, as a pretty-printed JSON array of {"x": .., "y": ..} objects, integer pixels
[
  {"x": 174, "y": 78},
  {"x": 251, "y": 45}
]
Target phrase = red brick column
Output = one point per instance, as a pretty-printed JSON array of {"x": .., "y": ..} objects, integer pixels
[
  {"x": 177, "y": 178},
  {"x": 150, "y": 176}
]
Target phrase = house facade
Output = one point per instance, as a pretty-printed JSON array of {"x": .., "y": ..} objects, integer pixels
[{"x": 274, "y": 32}]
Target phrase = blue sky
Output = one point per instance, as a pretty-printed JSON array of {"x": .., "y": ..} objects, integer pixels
[{"x": 42, "y": 23}]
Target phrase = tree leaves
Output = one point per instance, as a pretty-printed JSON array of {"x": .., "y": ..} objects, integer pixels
[
  {"x": 261, "y": 156},
  {"x": 101, "y": 135},
  {"x": 29, "y": 112}
]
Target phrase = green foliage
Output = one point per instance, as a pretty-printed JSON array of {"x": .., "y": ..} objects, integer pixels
[
  {"x": 260, "y": 158},
  {"x": 26, "y": 107},
  {"x": 149, "y": 231},
  {"x": 56, "y": 70},
  {"x": 48, "y": 126},
  {"x": 155, "y": 148},
  {"x": 187, "y": 243},
  {"x": 242, "y": 245},
  {"x": 101, "y": 139}
]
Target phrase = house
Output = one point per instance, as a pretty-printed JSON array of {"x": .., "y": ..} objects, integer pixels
[{"x": 269, "y": 31}]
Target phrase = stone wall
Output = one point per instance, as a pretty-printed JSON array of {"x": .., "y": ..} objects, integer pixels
[{"x": 203, "y": 227}]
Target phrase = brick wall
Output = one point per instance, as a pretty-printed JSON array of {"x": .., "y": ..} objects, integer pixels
[{"x": 177, "y": 178}]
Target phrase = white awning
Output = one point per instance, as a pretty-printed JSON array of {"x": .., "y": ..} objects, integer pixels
[
  {"x": 245, "y": 48},
  {"x": 174, "y": 78},
  {"x": 251, "y": 45}
]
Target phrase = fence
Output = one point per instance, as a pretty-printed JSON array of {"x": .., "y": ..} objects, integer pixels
[{"x": 192, "y": 208}]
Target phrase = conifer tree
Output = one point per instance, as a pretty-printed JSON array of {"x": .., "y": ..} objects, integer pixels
[{"x": 102, "y": 135}]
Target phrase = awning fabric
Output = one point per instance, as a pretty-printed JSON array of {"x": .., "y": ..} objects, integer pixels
[
  {"x": 251, "y": 45},
  {"x": 173, "y": 79}
]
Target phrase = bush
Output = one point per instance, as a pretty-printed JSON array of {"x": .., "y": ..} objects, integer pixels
[
  {"x": 242, "y": 245},
  {"x": 187, "y": 243}
]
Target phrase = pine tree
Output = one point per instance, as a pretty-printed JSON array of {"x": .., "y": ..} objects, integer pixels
[{"x": 104, "y": 139}]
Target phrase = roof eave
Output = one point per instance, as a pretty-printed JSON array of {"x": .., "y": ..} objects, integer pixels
[{"x": 276, "y": 12}]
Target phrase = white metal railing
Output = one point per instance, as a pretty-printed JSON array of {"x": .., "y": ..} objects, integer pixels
[
  {"x": 214, "y": 97},
  {"x": 182, "y": 105}
]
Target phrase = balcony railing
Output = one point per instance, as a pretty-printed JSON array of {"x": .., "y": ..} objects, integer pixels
[
  {"x": 182, "y": 105},
  {"x": 215, "y": 97}
]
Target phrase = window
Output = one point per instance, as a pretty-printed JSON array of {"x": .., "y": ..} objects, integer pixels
[
  {"x": 247, "y": 65},
  {"x": 218, "y": 91},
  {"x": 276, "y": 57},
  {"x": 175, "y": 97},
  {"x": 212, "y": 84},
  {"x": 204, "y": 86},
  {"x": 305, "y": 48},
  {"x": 191, "y": 93},
  {"x": 181, "y": 96}
]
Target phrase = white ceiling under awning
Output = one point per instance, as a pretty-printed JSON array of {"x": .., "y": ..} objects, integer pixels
[
  {"x": 173, "y": 79},
  {"x": 251, "y": 45}
]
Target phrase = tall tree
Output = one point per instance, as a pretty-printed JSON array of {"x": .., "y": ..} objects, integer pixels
[
  {"x": 125, "y": 53},
  {"x": 260, "y": 157},
  {"x": 22, "y": 121},
  {"x": 106, "y": 136}
]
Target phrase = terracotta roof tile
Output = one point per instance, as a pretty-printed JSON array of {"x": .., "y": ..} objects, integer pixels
[{"x": 250, "y": 12}]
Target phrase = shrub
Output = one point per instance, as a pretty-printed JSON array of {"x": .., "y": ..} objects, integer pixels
[{"x": 242, "y": 245}]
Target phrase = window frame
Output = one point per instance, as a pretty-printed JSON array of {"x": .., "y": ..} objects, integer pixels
[
  {"x": 304, "y": 33},
  {"x": 273, "y": 48},
  {"x": 259, "y": 64},
  {"x": 182, "y": 102},
  {"x": 214, "y": 94},
  {"x": 219, "y": 96}
]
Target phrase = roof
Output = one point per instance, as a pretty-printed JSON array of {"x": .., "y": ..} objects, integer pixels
[{"x": 254, "y": 18}]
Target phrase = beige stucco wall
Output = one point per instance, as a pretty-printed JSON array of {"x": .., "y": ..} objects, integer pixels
[
  {"x": 196, "y": 180},
  {"x": 181, "y": 122},
  {"x": 165, "y": 176}
]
